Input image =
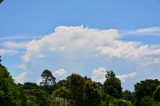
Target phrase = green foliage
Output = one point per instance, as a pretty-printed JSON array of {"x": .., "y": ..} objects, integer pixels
[
  {"x": 112, "y": 85},
  {"x": 91, "y": 94},
  {"x": 76, "y": 84},
  {"x": 156, "y": 94},
  {"x": 145, "y": 88},
  {"x": 63, "y": 94},
  {"x": 76, "y": 90},
  {"x": 146, "y": 101},
  {"x": 124, "y": 103},
  {"x": 9, "y": 96},
  {"x": 30, "y": 85},
  {"x": 110, "y": 74},
  {"x": 127, "y": 95}
]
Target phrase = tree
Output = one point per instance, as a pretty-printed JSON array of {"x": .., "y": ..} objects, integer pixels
[
  {"x": 76, "y": 85},
  {"x": 112, "y": 85},
  {"x": 47, "y": 78},
  {"x": 124, "y": 103},
  {"x": 128, "y": 95},
  {"x": 110, "y": 74},
  {"x": 146, "y": 101},
  {"x": 63, "y": 93},
  {"x": 91, "y": 94},
  {"x": 9, "y": 96},
  {"x": 145, "y": 88},
  {"x": 30, "y": 85},
  {"x": 156, "y": 94},
  {"x": 1, "y": 1}
]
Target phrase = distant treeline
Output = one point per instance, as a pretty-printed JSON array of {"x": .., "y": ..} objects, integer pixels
[{"x": 76, "y": 90}]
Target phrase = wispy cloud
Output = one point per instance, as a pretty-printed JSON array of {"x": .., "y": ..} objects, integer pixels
[
  {"x": 14, "y": 45},
  {"x": 18, "y": 37},
  {"x": 124, "y": 77},
  {"x": 7, "y": 52},
  {"x": 144, "y": 31}
]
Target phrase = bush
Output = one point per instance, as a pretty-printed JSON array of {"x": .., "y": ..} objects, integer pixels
[
  {"x": 124, "y": 103},
  {"x": 146, "y": 101}
]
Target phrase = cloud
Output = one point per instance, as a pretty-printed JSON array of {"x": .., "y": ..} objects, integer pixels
[
  {"x": 59, "y": 74},
  {"x": 124, "y": 77},
  {"x": 78, "y": 48},
  {"x": 14, "y": 45},
  {"x": 7, "y": 52},
  {"x": 18, "y": 37},
  {"x": 70, "y": 40},
  {"x": 21, "y": 77},
  {"x": 73, "y": 40},
  {"x": 145, "y": 31},
  {"x": 98, "y": 74}
]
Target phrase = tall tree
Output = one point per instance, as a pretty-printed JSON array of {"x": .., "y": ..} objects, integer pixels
[
  {"x": 9, "y": 96},
  {"x": 112, "y": 85},
  {"x": 156, "y": 94},
  {"x": 76, "y": 84},
  {"x": 47, "y": 78},
  {"x": 145, "y": 88},
  {"x": 91, "y": 94}
]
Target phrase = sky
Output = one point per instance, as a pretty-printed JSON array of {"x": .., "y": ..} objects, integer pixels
[{"x": 87, "y": 37}]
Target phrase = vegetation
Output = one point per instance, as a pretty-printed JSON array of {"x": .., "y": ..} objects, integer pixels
[
  {"x": 76, "y": 90},
  {"x": 1, "y": 1}
]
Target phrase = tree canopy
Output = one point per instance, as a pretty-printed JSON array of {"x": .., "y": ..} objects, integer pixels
[{"x": 76, "y": 90}]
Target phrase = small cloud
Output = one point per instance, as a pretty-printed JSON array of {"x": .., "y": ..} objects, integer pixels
[
  {"x": 98, "y": 74},
  {"x": 9, "y": 52},
  {"x": 14, "y": 45},
  {"x": 124, "y": 77},
  {"x": 21, "y": 77},
  {"x": 18, "y": 37},
  {"x": 145, "y": 31},
  {"x": 59, "y": 74}
]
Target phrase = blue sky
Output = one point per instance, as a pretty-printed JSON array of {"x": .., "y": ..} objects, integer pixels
[{"x": 81, "y": 36}]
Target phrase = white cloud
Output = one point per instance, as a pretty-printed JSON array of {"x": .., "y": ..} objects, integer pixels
[
  {"x": 124, "y": 77},
  {"x": 14, "y": 45},
  {"x": 145, "y": 31},
  {"x": 59, "y": 74},
  {"x": 18, "y": 37},
  {"x": 21, "y": 77},
  {"x": 69, "y": 43},
  {"x": 70, "y": 40},
  {"x": 98, "y": 74},
  {"x": 7, "y": 52}
]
